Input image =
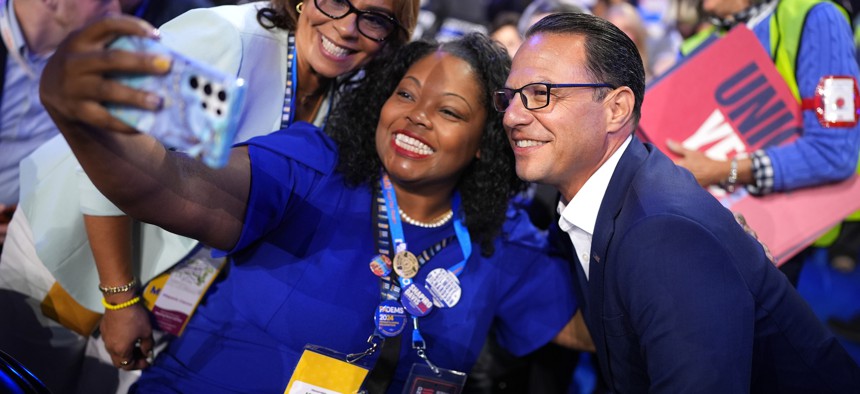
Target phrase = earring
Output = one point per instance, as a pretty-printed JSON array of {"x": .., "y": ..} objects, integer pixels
[{"x": 300, "y": 6}]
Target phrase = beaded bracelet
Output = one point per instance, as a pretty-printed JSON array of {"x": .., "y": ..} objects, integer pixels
[
  {"x": 119, "y": 289},
  {"x": 731, "y": 181},
  {"x": 116, "y": 307}
]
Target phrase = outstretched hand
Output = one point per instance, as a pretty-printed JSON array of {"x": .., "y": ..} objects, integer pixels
[
  {"x": 75, "y": 83},
  {"x": 706, "y": 170}
]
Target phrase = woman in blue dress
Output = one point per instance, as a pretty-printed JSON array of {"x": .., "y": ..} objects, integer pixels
[{"x": 352, "y": 241}]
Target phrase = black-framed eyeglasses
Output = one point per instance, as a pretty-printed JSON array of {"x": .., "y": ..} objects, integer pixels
[
  {"x": 536, "y": 95},
  {"x": 374, "y": 25}
]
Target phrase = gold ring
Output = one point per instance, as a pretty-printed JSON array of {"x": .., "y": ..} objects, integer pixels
[{"x": 124, "y": 362}]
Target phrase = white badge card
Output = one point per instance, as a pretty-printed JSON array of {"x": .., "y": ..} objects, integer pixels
[
  {"x": 422, "y": 379},
  {"x": 179, "y": 291},
  {"x": 325, "y": 371}
]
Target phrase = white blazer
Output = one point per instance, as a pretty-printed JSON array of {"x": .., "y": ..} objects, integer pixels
[{"x": 55, "y": 191}]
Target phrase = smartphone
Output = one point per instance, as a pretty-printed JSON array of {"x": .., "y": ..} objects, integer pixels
[{"x": 200, "y": 104}]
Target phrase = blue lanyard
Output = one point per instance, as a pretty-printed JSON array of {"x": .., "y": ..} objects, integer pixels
[
  {"x": 395, "y": 225},
  {"x": 395, "y": 228},
  {"x": 141, "y": 9},
  {"x": 289, "y": 111},
  {"x": 463, "y": 237}
]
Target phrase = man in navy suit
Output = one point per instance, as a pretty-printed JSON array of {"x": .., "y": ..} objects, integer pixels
[{"x": 678, "y": 298}]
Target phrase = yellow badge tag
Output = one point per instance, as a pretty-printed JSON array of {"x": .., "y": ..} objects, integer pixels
[{"x": 318, "y": 373}]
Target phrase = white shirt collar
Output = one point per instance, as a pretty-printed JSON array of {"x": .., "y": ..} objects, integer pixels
[
  {"x": 579, "y": 217},
  {"x": 582, "y": 209},
  {"x": 17, "y": 36}
]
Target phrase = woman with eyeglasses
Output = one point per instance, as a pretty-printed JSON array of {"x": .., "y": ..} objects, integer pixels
[
  {"x": 295, "y": 56},
  {"x": 388, "y": 244}
]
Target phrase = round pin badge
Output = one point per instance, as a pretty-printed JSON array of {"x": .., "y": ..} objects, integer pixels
[
  {"x": 390, "y": 318},
  {"x": 405, "y": 264},
  {"x": 444, "y": 287},
  {"x": 416, "y": 300},
  {"x": 380, "y": 265}
]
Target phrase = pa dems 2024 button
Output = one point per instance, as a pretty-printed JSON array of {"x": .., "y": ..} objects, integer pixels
[{"x": 390, "y": 318}]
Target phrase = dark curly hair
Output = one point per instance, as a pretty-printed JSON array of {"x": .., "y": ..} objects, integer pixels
[{"x": 487, "y": 183}]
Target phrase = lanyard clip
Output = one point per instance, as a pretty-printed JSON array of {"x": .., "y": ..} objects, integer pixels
[
  {"x": 417, "y": 340},
  {"x": 419, "y": 345},
  {"x": 427, "y": 360},
  {"x": 353, "y": 357}
]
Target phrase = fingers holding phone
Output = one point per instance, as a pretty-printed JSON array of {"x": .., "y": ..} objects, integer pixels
[{"x": 76, "y": 81}]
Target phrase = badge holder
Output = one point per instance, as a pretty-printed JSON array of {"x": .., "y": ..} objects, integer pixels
[
  {"x": 836, "y": 101},
  {"x": 325, "y": 371},
  {"x": 423, "y": 379},
  {"x": 173, "y": 296},
  {"x": 428, "y": 376}
]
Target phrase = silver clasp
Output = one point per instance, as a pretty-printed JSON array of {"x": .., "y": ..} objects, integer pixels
[
  {"x": 427, "y": 360},
  {"x": 353, "y": 357}
]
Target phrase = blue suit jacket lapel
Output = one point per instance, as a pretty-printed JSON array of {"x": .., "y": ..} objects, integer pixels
[
  {"x": 610, "y": 207},
  {"x": 604, "y": 230},
  {"x": 564, "y": 247}
]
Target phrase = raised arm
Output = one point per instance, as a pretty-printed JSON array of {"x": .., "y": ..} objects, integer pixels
[{"x": 133, "y": 170}]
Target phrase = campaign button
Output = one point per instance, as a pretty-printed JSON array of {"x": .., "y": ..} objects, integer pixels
[
  {"x": 380, "y": 265},
  {"x": 444, "y": 287},
  {"x": 405, "y": 264},
  {"x": 416, "y": 301},
  {"x": 390, "y": 318}
]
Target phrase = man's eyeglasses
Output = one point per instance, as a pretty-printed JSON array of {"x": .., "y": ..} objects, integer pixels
[
  {"x": 373, "y": 25},
  {"x": 536, "y": 95}
]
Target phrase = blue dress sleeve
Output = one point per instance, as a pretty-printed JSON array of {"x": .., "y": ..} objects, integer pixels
[
  {"x": 286, "y": 166},
  {"x": 821, "y": 155},
  {"x": 540, "y": 299}
]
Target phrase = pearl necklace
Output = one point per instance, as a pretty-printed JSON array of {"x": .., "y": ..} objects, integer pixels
[{"x": 436, "y": 223}]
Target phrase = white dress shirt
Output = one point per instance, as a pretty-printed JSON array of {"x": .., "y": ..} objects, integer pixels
[
  {"x": 580, "y": 215},
  {"x": 24, "y": 123}
]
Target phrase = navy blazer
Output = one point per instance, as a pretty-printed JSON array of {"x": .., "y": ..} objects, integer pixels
[{"x": 681, "y": 300}]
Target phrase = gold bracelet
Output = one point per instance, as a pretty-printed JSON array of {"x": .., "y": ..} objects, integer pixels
[
  {"x": 116, "y": 307},
  {"x": 119, "y": 289}
]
